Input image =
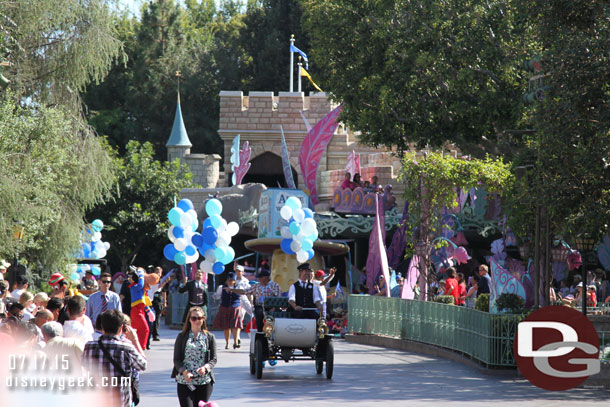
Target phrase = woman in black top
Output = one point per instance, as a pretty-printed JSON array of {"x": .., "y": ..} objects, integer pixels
[{"x": 194, "y": 360}]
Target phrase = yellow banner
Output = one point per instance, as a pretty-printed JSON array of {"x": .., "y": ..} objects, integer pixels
[{"x": 306, "y": 74}]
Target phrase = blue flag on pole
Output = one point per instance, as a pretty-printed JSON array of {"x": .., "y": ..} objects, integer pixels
[{"x": 304, "y": 55}]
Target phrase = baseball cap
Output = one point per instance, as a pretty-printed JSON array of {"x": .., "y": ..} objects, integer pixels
[
  {"x": 263, "y": 273},
  {"x": 4, "y": 264},
  {"x": 320, "y": 273},
  {"x": 239, "y": 267},
  {"x": 230, "y": 276}
]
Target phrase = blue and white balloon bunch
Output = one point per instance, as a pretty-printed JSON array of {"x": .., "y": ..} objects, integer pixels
[
  {"x": 182, "y": 233},
  {"x": 213, "y": 241},
  {"x": 216, "y": 238},
  {"x": 301, "y": 232},
  {"x": 92, "y": 246}
]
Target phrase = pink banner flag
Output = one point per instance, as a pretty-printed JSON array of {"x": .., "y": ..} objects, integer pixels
[
  {"x": 408, "y": 288},
  {"x": 377, "y": 261},
  {"x": 244, "y": 163},
  {"x": 313, "y": 147}
]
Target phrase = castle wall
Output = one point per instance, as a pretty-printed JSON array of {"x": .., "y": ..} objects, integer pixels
[{"x": 258, "y": 116}]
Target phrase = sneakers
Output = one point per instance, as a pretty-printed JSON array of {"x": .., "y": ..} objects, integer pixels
[{"x": 157, "y": 339}]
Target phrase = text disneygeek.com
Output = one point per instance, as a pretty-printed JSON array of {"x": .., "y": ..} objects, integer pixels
[{"x": 54, "y": 374}]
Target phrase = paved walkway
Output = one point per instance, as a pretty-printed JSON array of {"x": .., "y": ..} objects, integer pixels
[{"x": 364, "y": 376}]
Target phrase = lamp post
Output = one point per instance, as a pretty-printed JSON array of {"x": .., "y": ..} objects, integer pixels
[
  {"x": 18, "y": 229},
  {"x": 585, "y": 246}
]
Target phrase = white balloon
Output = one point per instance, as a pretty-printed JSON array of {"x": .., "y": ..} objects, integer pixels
[
  {"x": 193, "y": 258},
  {"x": 106, "y": 245},
  {"x": 180, "y": 244},
  {"x": 101, "y": 253},
  {"x": 186, "y": 220},
  {"x": 188, "y": 235},
  {"x": 295, "y": 246},
  {"x": 223, "y": 225},
  {"x": 298, "y": 215},
  {"x": 209, "y": 256},
  {"x": 285, "y": 232},
  {"x": 308, "y": 226},
  {"x": 286, "y": 212},
  {"x": 206, "y": 266},
  {"x": 302, "y": 256},
  {"x": 192, "y": 213},
  {"x": 170, "y": 234},
  {"x": 96, "y": 236},
  {"x": 233, "y": 228},
  {"x": 223, "y": 240}
]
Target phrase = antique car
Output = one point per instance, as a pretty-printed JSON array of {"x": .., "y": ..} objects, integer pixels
[{"x": 285, "y": 338}]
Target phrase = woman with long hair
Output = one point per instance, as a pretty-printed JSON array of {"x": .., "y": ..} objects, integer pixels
[
  {"x": 229, "y": 317},
  {"x": 194, "y": 360}
]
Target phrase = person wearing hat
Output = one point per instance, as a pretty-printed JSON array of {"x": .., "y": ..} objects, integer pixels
[
  {"x": 4, "y": 265},
  {"x": 59, "y": 284},
  {"x": 228, "y": 318},
  {"x": 320, "y": 280},
  {"x": 197, "y": 293},
  {"x": 89, "y": 285},
  {"x": 265, "y": 288},
  {"x": 22, "y": 286},
  {"x": 304, "y": 294},
  {"x": 243, "y": 283}
]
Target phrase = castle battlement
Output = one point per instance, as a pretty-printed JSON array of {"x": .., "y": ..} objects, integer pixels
[{"x": 263, "y": 111}]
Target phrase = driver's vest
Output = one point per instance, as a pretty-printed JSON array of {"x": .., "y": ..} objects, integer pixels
[{"x": 303, "y": 296}]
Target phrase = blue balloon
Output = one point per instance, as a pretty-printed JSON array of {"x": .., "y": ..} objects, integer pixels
[
  {"x": 220, "y": 253},
  {"x": 205, "y": 247},
  {"x": 310, "y": 254},
  {"x": 218, "y": 268},
  {"x": 294, "y": 227},
  {"x": 75, "y": 276},
  {"x": 186, "y": 205},
  {"x": 195, "y": 225},
  {"x": 207, "y": 223},
  {"x": 213, "y": 207},
  {"x": 216, "y": 221},
  {"x": 197, "y": 239},
  {"x": 293, "y": 203},
  {"x": 190, "y": 250},
  {"x": 178, "y": 232},
  {"x": 308, "y": 213},
  {"x": 306, "y": 244},
  {"x": 174, "y": 216},
  {"x": 180, "y": 258},
  {"x": 209, "y": 235},
  {"x": 230, "y": 255},
  {"x": 97, "y": 225},
  {"x": 285, "y": 246},
  {"x": 169, "y": 251},
  {"x": 313, "y": 237}
]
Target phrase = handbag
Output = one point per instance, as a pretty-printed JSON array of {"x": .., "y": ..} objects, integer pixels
[{"x": 135, "y": 391}]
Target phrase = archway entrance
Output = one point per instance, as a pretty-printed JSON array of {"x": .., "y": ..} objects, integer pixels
[{"x": 267, "y": 169}]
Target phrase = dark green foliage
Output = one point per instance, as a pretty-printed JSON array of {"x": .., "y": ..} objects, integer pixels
[
  {"x": 513, "y": 303},
  {"x": 482, "y": 303},
  {"x": 136, "y": 216},
  {"x": 444, "y": 299}
]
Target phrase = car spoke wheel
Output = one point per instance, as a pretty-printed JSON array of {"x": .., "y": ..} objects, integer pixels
[
  {"x": 258, "y": 352},
  {"x": 330, "y": 360}
]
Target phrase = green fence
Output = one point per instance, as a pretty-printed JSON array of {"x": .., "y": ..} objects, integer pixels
[{"x": 487, "y": 338}]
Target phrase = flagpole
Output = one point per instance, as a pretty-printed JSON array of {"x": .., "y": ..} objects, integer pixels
[
  {"x": 291, "y": 62},
  {"x": 299, "y": 64}
]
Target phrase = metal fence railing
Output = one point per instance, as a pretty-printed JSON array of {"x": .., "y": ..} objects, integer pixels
[{"x": 485, "y": 337}]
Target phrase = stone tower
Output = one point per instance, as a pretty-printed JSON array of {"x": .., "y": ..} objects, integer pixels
[{"x": 178, "y": 145}]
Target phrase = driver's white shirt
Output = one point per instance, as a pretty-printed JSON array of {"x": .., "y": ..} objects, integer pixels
[{"x": 316, "y": 292}]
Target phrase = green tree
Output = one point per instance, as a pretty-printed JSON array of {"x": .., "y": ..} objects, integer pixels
[
  {"x": 51, "y": 176},
  {"x": 424, "y": 72},
  {"x": 136, "y": 217},
  {"x": 55, "y": 169}
]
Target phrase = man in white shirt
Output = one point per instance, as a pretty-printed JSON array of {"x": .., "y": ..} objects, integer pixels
[
  {"x": 22, "y": 285},
  {"x": 320, "y": 280},
  {"x": 79, "y": 326},
  {"x": 60, "y": 347},
  {"x": 304, "y": 294}
]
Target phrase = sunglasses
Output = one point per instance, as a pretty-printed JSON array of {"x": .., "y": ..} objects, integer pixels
[
  {"x": 194, "y": 319},
  {"x": 106, "y": 281}
]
